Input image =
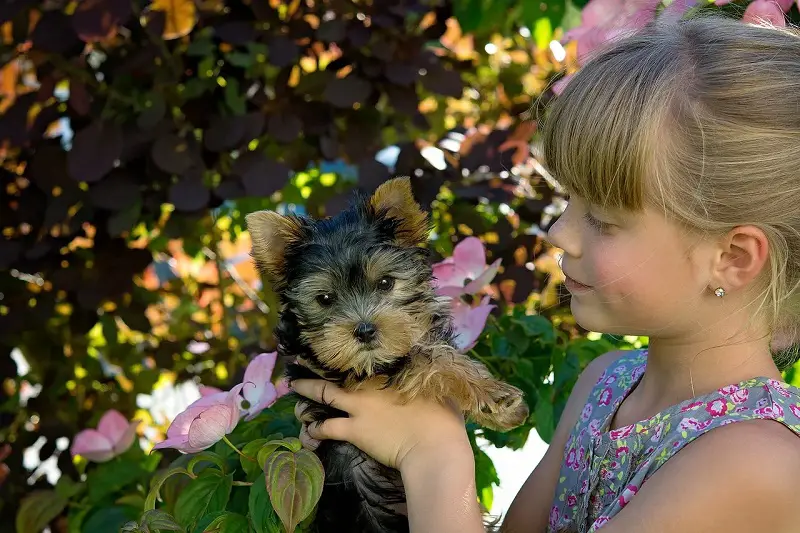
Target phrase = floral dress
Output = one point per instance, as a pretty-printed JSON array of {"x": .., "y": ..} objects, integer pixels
[{"x": 604, "y": 469}]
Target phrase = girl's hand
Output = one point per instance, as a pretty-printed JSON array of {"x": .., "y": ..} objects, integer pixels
[{"x": 381, "y": 425}]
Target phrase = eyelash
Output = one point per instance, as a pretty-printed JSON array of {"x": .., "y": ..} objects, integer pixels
[{"x": 598, "y": 225}]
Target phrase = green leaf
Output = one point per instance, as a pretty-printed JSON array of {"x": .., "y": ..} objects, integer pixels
[
  {"x": 518, "y": 339},
  {"x": 109, "y": 519},
  {"x": 240, "y": 59},
  {"x": 234, "y": 98},
  {"x": 543, "y": 33},
  {"x": 485, "y": 477},
  {"x": 227, "y": 523},
  {"x": 38, "y": 509},
  {"x": 294, "y": 482},
  {"x": 292, "y": 444},
  {"x": 157, "y": 482},
  {"x": 111, "y": 477},
  {"x": 159, "y": 520},
  {"x": 201, "y": 48},
  {"x": 469, "y": 14},
  {"x": 206, "y": 494},
  {"x": 67, "y": 488},
  {"x": 252, "y": 468},
  {"x": 545, "y": 425},
  {"x": 209, "y": 457},
  {"x": 262, "y": 515},
  {"x": 501, "y": 347},
  {"x": 552, "y": 10},
  {"x": 538, "y": 327}
]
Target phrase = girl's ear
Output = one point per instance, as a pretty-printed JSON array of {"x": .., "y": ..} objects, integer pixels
[{"x": 742, "y": 257}]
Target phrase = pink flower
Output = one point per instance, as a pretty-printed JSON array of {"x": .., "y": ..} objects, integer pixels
[
  {"x": 594, "y": 427},
  {"x": 258, "y": 389},
  {"x": 601, "y": 520},
  {"x": 621, "y": 433},
  {"x": 610, "y": 380},
  {"x": 717, "y": 407},
  {"x": 771, "y": 11},
  {"x": 627, "y": 495},
  {"x": 555, "y": 516},
  {"x": 603, "y": 20},
  {"x": 605, "y": 397},
  {"x": 740, "y": 396},
  {"x": 204, "y": 422},
  {"x": 572, "y": 500},
  {"x": 113, "y": 436},
  {"x": 780, "y": 388},
  {"x": 728, "y": 390},
  {"x": 795, "y": 410},
  {"x": 692, "y": 424},
  {"x": 622, "y": 450},
  {"x": 282, "y": 387},
  {"x": 691, "y": 407},
  {"x": 208, "y": 391},
  {"x": 771, "y": 411},
  {"x": 587, "y": 412},
  {"x": 572, "y": 459},
  {"x": 468, "y": 322},
  {"x": 466, "y": 271}
]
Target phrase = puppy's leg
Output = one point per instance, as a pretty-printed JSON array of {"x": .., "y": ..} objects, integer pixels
[{"x": 444, "y": 373}]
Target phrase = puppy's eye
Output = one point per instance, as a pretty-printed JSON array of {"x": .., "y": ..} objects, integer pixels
[
  {"x": 385, "y": 283},
  {"x": 326, "y": 299}
]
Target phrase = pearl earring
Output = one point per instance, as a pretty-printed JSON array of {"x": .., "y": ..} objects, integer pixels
[{"x": 720, "y": 292}]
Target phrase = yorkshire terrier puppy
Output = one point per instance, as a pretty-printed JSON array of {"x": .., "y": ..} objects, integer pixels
[{"x": 357, "y": 303}]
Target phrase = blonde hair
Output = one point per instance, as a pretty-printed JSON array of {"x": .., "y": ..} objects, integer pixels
[{"x": 701, "y": 118}]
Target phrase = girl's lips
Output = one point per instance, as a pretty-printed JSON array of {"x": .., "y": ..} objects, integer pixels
[{"x": 574, "y": 286}]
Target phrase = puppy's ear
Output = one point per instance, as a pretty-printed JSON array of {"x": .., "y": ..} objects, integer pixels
[
  {"x": 394, "y": 199},
  {"x": 271, "y": 233}
]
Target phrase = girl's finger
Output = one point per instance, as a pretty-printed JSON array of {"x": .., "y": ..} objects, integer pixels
[
  {"x": 323, "y": 392},
  {"x": 307, "y": 442},
  {"x": 332, "y": 428}
]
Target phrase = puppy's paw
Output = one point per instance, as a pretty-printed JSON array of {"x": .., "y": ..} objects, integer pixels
[{"x": 503, "y": 406}]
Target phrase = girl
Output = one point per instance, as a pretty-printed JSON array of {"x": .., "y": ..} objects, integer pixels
[{"x": 680, "y": 148}]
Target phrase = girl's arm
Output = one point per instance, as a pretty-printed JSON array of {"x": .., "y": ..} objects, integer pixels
[
  {"x": 530, "y": 510},
  {"x": 440, "y": 490}
]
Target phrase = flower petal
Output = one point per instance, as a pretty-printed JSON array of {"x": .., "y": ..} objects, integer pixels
[
  {"x": 208, "y": 391},
  {"x": 180, "y": 443},
  {"x": 92, "y": 445},
  {"x": 234, "y": 405},
  {"x": 209, "y": 427},
  {"x": 452, "y": 292},
  {"x": 259, "y": 374},
  {"x": 470, "y": 257},
  {"x": 113, "y": 425},
  {"x": 282, "y": 387},
  {"x": 468, "y": 323},
  {"x": 483, "y": 279},
  {"x": 448, "y": 275},
  {"x": 767, "y": 10},
  {"x": 126, "y": 439},
  {"x": 268, "y": 397}
]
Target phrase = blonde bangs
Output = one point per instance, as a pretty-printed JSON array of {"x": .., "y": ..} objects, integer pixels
[{"x": 601, "y": 136}]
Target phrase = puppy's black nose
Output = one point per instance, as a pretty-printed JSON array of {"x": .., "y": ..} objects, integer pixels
[{"x": 365, "y": 331}]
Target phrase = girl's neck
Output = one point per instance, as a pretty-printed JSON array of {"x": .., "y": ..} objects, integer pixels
[{"x": 678, "y": 369}]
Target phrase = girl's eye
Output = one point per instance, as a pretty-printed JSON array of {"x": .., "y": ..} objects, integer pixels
[
  {"x": 599, "y": 225},
  {"x": 326, "y": 299},
  {"x": 385, "y": 283}
]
